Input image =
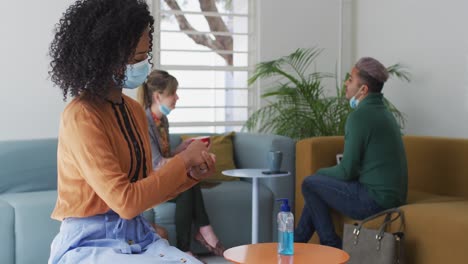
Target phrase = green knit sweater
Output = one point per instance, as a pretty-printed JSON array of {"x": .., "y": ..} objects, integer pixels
[{"x": 374, "y": 153}]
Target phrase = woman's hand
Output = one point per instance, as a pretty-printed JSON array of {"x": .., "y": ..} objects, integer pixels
[
  {"x": 205, "y": 169},
  {"x": 192, "y": 155},
  {"x": 182, "y": 146}
]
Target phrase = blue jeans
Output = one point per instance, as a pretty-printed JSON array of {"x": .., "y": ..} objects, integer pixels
[
  {"x": 107, "y": 238},
  {"x": 322, "y": 193}
]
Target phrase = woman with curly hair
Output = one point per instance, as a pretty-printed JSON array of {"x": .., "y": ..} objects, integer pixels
[{"x": 105, "y": 175}]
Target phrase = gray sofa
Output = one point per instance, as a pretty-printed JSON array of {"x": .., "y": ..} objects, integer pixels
[{"x": 28, "y": 171}]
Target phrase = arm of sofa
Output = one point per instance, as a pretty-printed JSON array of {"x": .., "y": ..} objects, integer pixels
[
  {"x": 313, "y": 154},
  {"x": 7, "y": 232}
]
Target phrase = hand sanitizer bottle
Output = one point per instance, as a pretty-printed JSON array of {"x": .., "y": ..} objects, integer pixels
[{"x": 285, "y": 229}]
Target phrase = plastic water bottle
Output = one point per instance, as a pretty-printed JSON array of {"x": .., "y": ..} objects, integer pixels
[{"x": 285, "y": 229}]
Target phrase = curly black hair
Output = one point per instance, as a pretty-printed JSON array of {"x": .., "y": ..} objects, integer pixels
[{"x": 93, "y": 42}]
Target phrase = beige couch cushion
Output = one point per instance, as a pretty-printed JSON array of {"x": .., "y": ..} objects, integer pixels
[{"x": 430, "y": 225}]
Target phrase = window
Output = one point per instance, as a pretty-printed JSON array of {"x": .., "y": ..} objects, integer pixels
[{"x": 207, "y": 46}]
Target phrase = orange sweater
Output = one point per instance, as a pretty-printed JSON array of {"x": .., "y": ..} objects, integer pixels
[{"x": 104, "y": 162}]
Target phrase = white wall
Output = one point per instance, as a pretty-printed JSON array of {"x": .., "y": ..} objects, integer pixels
[
  {"x": 285, "y": 26},
  {"x": 29, "y": 105},
  {"x": 431, "y": 37}
]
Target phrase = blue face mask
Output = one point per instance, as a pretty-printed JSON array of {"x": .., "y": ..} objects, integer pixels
[
  {"x": 136, "y": 74},
  {"x": 164, "y": 109},
  {"x": 353, "y": 102}
]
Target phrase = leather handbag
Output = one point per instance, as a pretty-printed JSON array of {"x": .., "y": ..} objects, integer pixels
[{"x": 369, "y": 246}]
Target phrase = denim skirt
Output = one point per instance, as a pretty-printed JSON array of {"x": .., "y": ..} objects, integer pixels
[{"x": 107, "y": 238}]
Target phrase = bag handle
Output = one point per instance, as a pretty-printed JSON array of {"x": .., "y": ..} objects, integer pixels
[
  {"x": 388, "y": 219},
  {"x": 388, "y": 213},
  {"x": 385, "y": 212}
]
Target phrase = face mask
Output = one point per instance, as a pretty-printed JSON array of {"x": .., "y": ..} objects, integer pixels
[
  {"x": 353, "y": 102},
  {"x": 164, "y": 109},
  {"x": 136, "y": 74}
]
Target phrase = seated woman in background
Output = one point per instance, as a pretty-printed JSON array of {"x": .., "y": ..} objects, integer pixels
[
  {"x": 158, "y": 95},
  {"x": 105, "y": 175}
]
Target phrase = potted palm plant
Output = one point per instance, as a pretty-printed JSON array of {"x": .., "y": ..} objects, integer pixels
[{"x": 297, "y": 103}]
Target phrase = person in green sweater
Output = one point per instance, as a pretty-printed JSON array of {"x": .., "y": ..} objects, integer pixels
[{"x": 372, "y": 175}]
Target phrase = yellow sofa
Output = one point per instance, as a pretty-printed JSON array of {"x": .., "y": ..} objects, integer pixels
[{"x": 436, "y": 212}]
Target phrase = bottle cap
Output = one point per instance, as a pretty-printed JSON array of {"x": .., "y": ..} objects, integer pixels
[{"x": 285, "y": 205}]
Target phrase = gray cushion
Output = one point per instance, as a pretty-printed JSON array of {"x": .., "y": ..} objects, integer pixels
[
  {"x": 250, "y": 151},
  {"x": 28, "y": 165},
  {"x": 7, "y": 220},
  {"x": 34, "y": 228},
  {"x": 149, "y": 215}
]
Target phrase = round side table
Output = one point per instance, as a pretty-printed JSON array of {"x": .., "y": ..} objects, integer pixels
[
  {"x": 303, "y": 254},
  {"x": 254, "y": 174}
]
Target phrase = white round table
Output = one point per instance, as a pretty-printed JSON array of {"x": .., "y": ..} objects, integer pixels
[{"x": 255, "y": 174}]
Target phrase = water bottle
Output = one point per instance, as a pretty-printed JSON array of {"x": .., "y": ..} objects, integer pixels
[{"x": 285, "y": 229}]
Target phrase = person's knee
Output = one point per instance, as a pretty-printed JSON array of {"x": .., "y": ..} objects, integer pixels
[
  {"x": 161, "y": 231},
  {"x": 310, "y": 182}
]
